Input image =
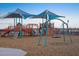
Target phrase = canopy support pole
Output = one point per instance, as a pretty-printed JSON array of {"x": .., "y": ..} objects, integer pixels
[
  {"x": 20, "y": 31},
  {"x": 14, "y": 26},
  {"x": 41, "y": 32},
  {"x": 45, "y": 40},
  {"x": 63, "y": 32}
]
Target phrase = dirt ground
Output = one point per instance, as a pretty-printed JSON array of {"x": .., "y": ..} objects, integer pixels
[{"x": 55, "y": 46}]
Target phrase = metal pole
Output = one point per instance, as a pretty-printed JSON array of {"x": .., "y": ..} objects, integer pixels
[
  {"x": 41, "y": 32},
  {"x": 14, "y": 26},
  {"x": 63, "y": 33},
  {"x": 53, "y": 29},
  {"x": 18, "y": 20},
  {"x": 45, "y": 40},
  {"x": 15, "y": 31},
  {"x": 69, "y": 34},
  {"x": 21, "y": 29}
]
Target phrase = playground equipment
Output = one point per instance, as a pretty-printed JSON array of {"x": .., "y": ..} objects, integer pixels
[
  {"x": 68, "y": 33},
  {"x": 6, "y": 31},
  {"x": 50, "y": 29},
  {"x": 18, "y": 15},
  {"x": 28, "y": 30},
  {"x": 33, "y": 31},
  {"x": 44, "y": 30},
  {"x": 48, "y": 16}
]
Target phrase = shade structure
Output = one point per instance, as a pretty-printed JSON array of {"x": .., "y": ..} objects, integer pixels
[
  {"x": 50, "y": 15},
  {"x": 18, "y": 13}
]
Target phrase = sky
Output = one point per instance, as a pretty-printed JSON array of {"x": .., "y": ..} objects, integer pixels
[{"x": 69, "y": 10}]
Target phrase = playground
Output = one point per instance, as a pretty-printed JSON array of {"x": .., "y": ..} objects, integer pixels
[{"x": 42, "y": 39}]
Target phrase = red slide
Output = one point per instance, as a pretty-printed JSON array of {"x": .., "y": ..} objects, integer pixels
[
  {"x": 5, "y": 31},
  {"x": 25, "y": 30}
]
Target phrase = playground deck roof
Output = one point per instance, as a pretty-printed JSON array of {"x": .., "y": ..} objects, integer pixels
[
  {"x": 45, "y": 13},
  {"x": 18, "y": 13}
]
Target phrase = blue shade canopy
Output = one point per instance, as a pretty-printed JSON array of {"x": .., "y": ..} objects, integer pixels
[
  {"x": 50, "y": 14},
  {"x": 18, "y": 13}
]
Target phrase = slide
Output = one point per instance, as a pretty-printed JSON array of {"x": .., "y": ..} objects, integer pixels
[{"x": 5, "y": 31}]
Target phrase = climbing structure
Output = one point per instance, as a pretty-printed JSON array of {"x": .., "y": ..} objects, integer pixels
[{"x": 44, "y": 29}]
